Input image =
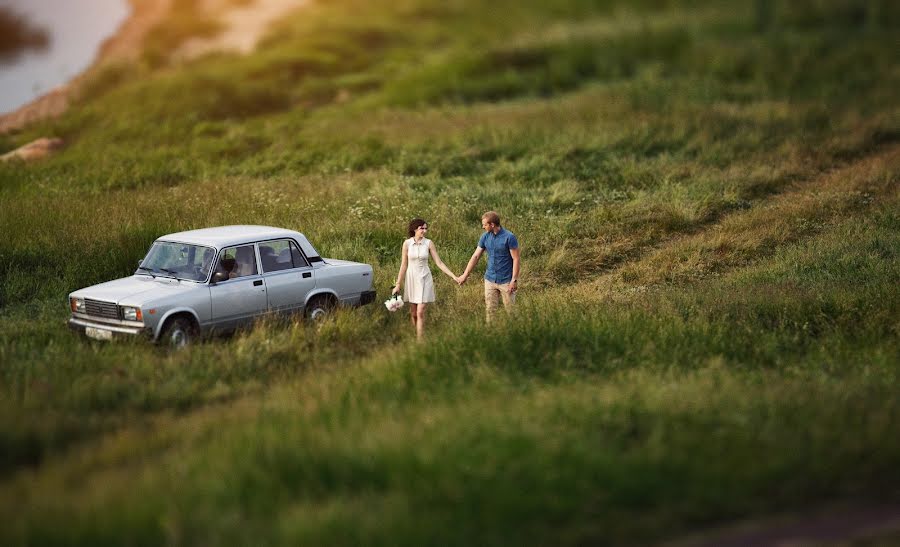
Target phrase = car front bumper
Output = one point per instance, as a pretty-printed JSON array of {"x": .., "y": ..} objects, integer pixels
[{"x": 105, "y": 331}]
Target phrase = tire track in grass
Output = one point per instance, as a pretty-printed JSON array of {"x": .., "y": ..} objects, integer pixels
[
  {"x": 849, "y": 525},
  {"x": 738, "y": 239}
]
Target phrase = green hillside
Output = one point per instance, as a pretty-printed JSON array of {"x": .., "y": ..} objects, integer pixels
[{"x": 706, "y": 195}]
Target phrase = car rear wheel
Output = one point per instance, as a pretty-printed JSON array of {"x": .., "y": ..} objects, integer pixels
[
  {"x": 178, "y": 333},
  {"x": 319, "y": 308}
]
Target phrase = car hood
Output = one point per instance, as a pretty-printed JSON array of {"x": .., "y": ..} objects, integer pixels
[{"x": 136, "y": 290}]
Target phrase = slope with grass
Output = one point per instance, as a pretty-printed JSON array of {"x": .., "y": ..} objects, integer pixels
[{"x": 708, "y": 327}]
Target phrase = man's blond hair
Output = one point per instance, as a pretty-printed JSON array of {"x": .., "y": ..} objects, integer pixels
[{"x": 492, "y": 217}]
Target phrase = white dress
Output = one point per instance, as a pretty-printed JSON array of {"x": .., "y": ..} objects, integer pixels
[{"x": 419, "y": 285}]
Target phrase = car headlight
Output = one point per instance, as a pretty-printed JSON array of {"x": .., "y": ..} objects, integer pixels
[
  {"x": 77, "y": 305},
  {"x": 130, "y": 313}
]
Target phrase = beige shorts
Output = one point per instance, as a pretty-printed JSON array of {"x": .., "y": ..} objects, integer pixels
[{"x": 493, "y": 294}]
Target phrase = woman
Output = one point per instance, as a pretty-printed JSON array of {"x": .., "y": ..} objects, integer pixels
[{"x": 414, "y": 270}]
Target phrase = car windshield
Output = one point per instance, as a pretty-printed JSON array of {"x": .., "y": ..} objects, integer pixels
[{"x": 178, "y": 260}]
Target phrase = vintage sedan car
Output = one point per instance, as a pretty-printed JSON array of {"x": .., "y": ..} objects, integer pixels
[{"x": 217, "y": 279}]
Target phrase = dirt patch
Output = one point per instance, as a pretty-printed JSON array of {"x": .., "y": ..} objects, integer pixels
[
  {"x": 243, "y": 26},
  {"x": 35, "y": 150},
  {"x": 125, "y": 44}
]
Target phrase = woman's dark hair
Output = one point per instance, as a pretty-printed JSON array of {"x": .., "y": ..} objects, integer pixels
[{"x": 413, "y": 225}]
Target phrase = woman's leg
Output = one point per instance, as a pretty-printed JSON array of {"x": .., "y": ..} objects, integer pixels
[
  {"x": 413, "y": 314},
  {"x": 420, "y": 324}
]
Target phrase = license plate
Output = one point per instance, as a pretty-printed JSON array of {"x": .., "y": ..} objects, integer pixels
[{"x": 97, "y": 334}]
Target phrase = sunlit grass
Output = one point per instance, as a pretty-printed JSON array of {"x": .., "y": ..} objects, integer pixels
[{"x": 707, "y": 325}]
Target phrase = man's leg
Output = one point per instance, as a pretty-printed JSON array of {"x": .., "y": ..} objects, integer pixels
[
  {"x": 509, "y": 299},
  {"x": 491, "y": 299}
]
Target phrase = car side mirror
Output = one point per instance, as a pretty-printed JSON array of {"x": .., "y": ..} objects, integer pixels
[
  {"x": 219, "y": 276},
  {"x": 140, "y": 262}
]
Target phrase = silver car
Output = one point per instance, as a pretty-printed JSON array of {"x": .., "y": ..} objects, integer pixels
[{"x": 217, "y": 279}]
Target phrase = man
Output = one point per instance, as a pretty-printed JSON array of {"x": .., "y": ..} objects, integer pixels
[{"x": 502, "y": 275}]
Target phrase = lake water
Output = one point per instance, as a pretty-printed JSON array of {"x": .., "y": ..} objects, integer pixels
[{"x": 76, "y": 29}]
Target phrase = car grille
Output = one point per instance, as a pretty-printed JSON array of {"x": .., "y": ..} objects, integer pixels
[{"x": 97, "y": 308}]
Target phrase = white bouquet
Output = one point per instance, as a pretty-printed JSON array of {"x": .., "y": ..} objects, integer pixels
[{"x": 393, "y": 303}]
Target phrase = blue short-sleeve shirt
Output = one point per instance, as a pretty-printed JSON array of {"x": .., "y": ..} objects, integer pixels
[{"x": 500, "y": 263}]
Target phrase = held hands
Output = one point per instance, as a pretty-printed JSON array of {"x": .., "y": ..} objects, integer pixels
[
  {"x": 513, "y": 285},
  {"x": 395, "y": 289}
]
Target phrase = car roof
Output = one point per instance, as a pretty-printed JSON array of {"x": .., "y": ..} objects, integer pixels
[{"x": 227, "y": 236}]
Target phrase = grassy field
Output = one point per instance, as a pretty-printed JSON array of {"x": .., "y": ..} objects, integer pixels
[{"x": 706, "y": 194}]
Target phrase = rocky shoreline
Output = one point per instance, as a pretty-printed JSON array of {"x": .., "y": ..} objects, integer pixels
[
  {"x": 124, "y": 45},
  {"x": 244, "y": 24}
]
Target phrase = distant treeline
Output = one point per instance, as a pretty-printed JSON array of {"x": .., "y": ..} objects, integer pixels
[{"x": 17, "y": 35}]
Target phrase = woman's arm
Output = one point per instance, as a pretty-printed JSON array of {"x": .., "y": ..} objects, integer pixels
[
  {"x": 439, "y": 262},
  {"x": 403, "y": 264}
]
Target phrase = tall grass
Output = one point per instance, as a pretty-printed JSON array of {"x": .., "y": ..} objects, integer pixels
[{"x": 707, "y": 324}]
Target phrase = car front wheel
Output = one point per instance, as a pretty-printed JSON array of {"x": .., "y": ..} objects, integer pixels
[{"x": 178, "y": 333}]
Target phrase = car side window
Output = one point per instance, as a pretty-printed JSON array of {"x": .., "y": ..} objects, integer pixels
[
  {"x": 297, "y": 256},
  {"x": 282, "y": 254},
  {"x": 237, "y": 261},
  {"x": 274, "y": 256}
]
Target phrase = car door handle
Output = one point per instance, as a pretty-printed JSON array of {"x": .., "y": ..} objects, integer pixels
[
  {"x": 257, "y": 283},
  {"x": 307, "y": 274}
]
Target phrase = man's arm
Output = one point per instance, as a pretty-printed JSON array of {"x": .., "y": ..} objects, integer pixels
[
  {"x": 471, "y": 265},
  {"x": 514, "y": 284}
]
